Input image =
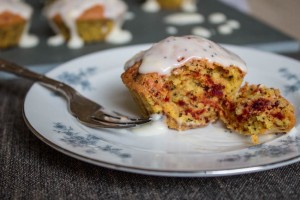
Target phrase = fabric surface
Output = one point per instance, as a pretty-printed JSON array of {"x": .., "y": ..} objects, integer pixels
[{"x": 29, "y": 169}]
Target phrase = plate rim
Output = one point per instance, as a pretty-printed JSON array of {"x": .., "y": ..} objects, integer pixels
[
  {"x": 169, "y": 173},
  {"x": 146, "y": 171}
]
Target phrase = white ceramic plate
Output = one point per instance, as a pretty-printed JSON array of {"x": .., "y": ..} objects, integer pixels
[{"x": 209, "y": 151}]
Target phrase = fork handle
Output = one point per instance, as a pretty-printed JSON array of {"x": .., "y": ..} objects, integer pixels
[{"x": 49, "y": 82}]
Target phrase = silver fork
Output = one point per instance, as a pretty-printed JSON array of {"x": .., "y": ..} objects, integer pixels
[{"x": 84, "y": 110}]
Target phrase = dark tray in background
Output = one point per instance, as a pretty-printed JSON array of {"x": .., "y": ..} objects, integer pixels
[{"x": 149, "y": 28}]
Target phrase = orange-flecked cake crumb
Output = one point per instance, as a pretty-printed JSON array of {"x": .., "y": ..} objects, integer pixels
[
  {"x": 189, "y": 97},
  {"x": 259, "y": 110}
]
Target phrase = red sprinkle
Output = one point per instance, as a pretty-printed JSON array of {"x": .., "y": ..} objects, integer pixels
[
  {"x": 194, "y": 98},
  {"x": 260, "y": 104},
  {"x": 278, "y": 116},
  {"x": 167, "y": 99},
  {"x": 181, "y": 58},
  {"x": 217, "y": 90},
  {"x": 181, "y": 103}
]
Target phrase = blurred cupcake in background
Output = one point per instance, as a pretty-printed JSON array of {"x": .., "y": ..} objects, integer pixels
[
  {"x": 79, "y": 22},
  {"x": 156, "y": 5},
  {"x": 15, "y": 18}
]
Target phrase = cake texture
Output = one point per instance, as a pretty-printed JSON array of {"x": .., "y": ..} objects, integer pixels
[
  {"x": 80, "y": 22},
  {"x": 193, "y": 81},
  {"x": 14, "y": 19},
  {"x": 184, "y": 79},
  {"x": 257, "y": 110}
]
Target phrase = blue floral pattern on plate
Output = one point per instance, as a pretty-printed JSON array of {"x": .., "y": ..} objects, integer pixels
[
  {"x": 90, "y": 142},
  {"x": 80, "y": 78},
  {"x": 291, "y": 77},
  {"x": 264, "y": 150}
]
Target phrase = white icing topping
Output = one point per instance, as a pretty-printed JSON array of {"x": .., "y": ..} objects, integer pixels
[
  {"x": 118, "y": 36},
  {"x": 217, "y": 18},
  {"x": 233, "y": 24},
  {"x": 28, "y": 40},
  {"x": 151, "y": 6},
  {"x": 173, "y": 52},
  {"x": 184, "y": 18},
  {"x": 55, "y": 40},
  {"x": 156, "y": 117},
  {"x": 189, "y": 6},
  {"x": 71, "y": 10},
  {"x": 225, "y": 29},
  {"x": 17, "y": 7},
  {"x": 201, "y": 31},
  {"x": 157, "y": 126},
  {"x": 75, "y": 42},
  {"x": 171, "y": 30}
]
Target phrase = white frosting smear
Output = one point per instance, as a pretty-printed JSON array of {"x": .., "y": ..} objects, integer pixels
[
  {"x": 217, "y": 18},
  {"x": 189, "y": 6},
  {"x": 233, "y": 24},
  {"x": 225, "y": 29},
  {"x": 75, "y": 42},
  {"x": 171, "y": 30},
  {"x": 201, "y": 31},
  {"x": 184, "y": 19},
  {"x": 151, "y": 6},
  {"x": 173, "y": 52},
  {"x": 118, "y": 36},
  {"x": 28, "y": 41},
  {"x": 156, "y": 127},
  {"x": 56, "y": 40}
]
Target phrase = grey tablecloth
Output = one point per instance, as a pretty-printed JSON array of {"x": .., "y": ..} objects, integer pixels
[{"x": 29, "y": 169}]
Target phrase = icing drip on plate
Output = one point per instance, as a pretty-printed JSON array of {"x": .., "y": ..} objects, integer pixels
[
  {"x": 184, "y": 19},
  {"x": 28, "y": 41},
  {"x": 189, "y": 6},
  {"x": 157, "y": 126},
  {"x": 151, "y": 6}
]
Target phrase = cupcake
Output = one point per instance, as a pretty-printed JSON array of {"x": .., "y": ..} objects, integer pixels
[
  {"x": 259, "y": 110},
  {"x": 184, "y": 79},
  {"x": 192, "y": 82},
  {"x": 14, "y": 24},
  {"x": 156, "y": 5},
  {"x": 80, "y": 22}
]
